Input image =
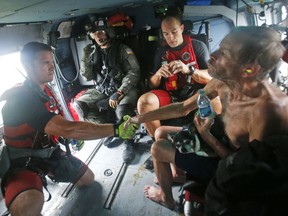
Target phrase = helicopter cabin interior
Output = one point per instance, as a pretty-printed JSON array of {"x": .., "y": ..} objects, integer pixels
[{"x": 118, "y": 188}]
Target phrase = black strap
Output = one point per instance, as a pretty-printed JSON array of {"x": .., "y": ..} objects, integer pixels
[
  {"x": 43, "y": 179},
  {"x": 66, "y": 144},
  {"x": 28, "y": 152},
  {"x": 44, "y": 182}
]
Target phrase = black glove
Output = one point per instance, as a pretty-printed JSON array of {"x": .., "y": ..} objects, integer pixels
[
  {"x": 115, "y": 99},
  {"x": 116, "y": 96}
]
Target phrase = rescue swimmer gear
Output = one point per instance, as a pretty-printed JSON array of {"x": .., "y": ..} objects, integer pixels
[
  {"x": 181, "y": 85},
  {"x": 28, "y": 147}
]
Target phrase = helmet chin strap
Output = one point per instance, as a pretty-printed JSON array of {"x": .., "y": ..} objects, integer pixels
[{"x": 104, "y": 42}]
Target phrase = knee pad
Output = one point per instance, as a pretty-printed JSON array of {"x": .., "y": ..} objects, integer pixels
[
  {"x": 79, "y": 110},
  {"x": 125, "y": 109}
]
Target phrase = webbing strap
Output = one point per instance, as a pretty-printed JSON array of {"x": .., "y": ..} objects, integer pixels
[
  {"x": 15, "y": 153},
  {"x": 44, "y": 182}
]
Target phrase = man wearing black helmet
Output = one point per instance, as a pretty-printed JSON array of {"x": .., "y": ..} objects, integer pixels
[{"x": 116, "y": 72}]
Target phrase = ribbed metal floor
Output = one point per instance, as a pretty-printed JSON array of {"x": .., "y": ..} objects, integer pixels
[{"x": 107, "y": 164}]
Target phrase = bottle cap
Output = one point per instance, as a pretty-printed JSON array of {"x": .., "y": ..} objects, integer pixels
[{"x": 201, "y": 91}]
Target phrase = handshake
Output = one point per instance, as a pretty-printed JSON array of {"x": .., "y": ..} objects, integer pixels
[{"x": 124, "y": 130}]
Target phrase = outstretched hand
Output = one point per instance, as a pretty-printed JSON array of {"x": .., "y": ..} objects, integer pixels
[
  {"x": 131, "y": 120},
  {"x": 125, "y": 132}
]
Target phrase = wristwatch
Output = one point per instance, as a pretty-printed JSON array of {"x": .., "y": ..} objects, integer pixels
[
  {"x": 185, "y": 127},
  {"x": 192, "y": 69}
]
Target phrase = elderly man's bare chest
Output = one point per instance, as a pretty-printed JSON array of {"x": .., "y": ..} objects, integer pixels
[{"x": 237, "y": 119}]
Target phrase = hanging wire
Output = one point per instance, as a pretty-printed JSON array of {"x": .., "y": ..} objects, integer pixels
[
  {"x": 58, "y": 69},
  {"x": 237, "y": 12},
  {"x": 250, "y": 8}
]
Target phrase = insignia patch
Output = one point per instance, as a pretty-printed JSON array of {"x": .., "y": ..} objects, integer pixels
[
  {"x": 186, "y": 56},
  {"x": 129, "y": 51}
]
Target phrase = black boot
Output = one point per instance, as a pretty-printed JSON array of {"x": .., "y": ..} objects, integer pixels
[
  {"x": 129, "y": 151},
  {"x": 148, "y": 164}
]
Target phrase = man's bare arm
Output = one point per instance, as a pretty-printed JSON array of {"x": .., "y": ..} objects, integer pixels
[
  {"x": 78, "y": 130},
  {"x": 163, "y": 71},
  {"x": 220, "y": 149},
  {"x": 201, "y": 76},
  {"x": 154, "y": 81},
  {"x": 176, "y": 110},
  {"x": 173, "y": 110},
  {"x": 203, "y": 127}
]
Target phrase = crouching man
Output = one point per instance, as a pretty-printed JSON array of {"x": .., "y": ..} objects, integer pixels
[{"x": 32, "y": 126}]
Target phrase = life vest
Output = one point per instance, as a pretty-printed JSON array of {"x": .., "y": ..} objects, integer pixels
[
  {"x": 23, "y": 135},
  {"x": 52, "y": 105},
  {"x": 186, "y": 55}
]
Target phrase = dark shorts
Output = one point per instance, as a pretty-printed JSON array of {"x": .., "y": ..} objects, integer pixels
[
  {"x": 23, "y": 180},
  {"x": 202, "y": 168},
  {"x": 163, "y": 97}
]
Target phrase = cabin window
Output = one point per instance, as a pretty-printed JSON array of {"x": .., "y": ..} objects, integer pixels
[
  {"x": 283, "y": 77},
  {"x": 65, "y": 29},
  {"x": 12, "y": 73},
  {"x": 283, "y": 13}
]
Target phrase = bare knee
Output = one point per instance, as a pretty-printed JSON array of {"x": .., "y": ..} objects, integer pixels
[
  {"x": 27, "y": 203},
  {"x": 154, "y": 149},
  {"x": 158, "y": 148},
  {"x": 163, "y": 131},
  {"x": 87, "y": 179},
  {"x": 147, "y": 102},
  {"x": 163, "y": 150},
  {"x": 160, "y": 133}
]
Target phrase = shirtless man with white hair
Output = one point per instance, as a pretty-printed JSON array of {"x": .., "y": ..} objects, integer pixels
[{"x": 253, "y": 109}]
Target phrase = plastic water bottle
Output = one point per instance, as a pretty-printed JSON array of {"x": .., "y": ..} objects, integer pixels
[
  {"x": 204, "y": 104},
  {"x": 188, "y": 208},
  {"x": 74, "y": 144},
  {"x": 164, "y": 61}
]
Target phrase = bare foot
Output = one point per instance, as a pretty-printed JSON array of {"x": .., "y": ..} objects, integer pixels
[
  {"x": 155, "y": 194},
  {"x": 176, "y": 179}
]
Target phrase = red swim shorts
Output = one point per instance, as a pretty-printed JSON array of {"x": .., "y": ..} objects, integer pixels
[
  {"x": 163, "y": 97},
  {"x": 24, "y": 180}
]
